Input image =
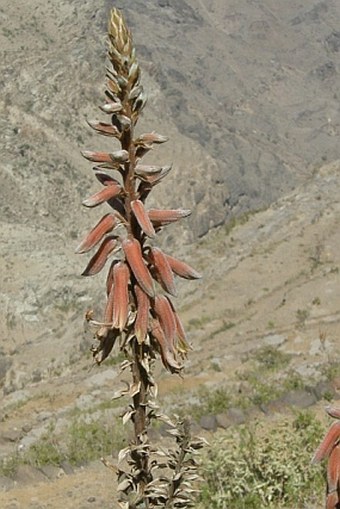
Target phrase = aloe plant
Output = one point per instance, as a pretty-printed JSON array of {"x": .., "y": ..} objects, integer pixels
[
  {"x": 139, "y": 317},
  {"x": 329, "y": 449}
]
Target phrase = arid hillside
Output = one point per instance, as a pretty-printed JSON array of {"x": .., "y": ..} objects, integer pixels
[{"x": 264, "y": 326}]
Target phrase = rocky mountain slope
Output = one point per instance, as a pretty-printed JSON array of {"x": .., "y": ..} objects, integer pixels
[{"x": 246, "y": 91}]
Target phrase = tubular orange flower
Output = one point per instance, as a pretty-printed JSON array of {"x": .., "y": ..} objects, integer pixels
[
  {"x": 333, "y": 469},
  {"x": 97, "y": 157},
  {"x": 182, "y": 269},
  {"x": 98, "y": 261},
  {"x": 142, "y": 316},
  {"x": 104, "y": 225},
  {"x": 166, "y": 348},
  {"x": 164, "y": 217},
  {"x": 104, "y": 129},
  {"x": 163, "y": 269},
  {"x": 333, "y": 412},
  {"x": 142, "y": 218},
  {"x": 121, "y": 278},
  {"x": 105, "y": 194},
  {"x": 167, "y": 321},
  {"x": 134, "y": 257}
]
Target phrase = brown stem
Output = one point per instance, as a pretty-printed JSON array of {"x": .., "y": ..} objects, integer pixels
[
  {"x": 129, "y": 184},
  {"x": 128, "y": 145},
  {"x": 140, "y": 404},
  {"x": 138, "y": 372},
  {"x": 183, "y": 446}
]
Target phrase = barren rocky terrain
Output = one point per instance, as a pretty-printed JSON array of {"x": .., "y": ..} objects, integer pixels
[{"x": 248, "y": 94}]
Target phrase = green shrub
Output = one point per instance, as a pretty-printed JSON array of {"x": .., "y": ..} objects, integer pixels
[
  {"x": 270, "y": 358},
  {"x": 259, "y": 392},
  {"x": 81, "y": 443},
  {"x": 209, "y": 401},
  {"x": 256, "y": 467},
  {"x": 44, "y": 452},
  {"x": 88, "y": 441},
  {"x": 9, "y": 465}
]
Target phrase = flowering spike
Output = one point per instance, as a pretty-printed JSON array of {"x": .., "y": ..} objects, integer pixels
[{"x": 146, "y": 325}]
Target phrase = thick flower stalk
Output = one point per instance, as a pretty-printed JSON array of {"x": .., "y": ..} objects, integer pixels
[
  {"x": 329, "y": 449},
  {"x": 139, "y": 315}
]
